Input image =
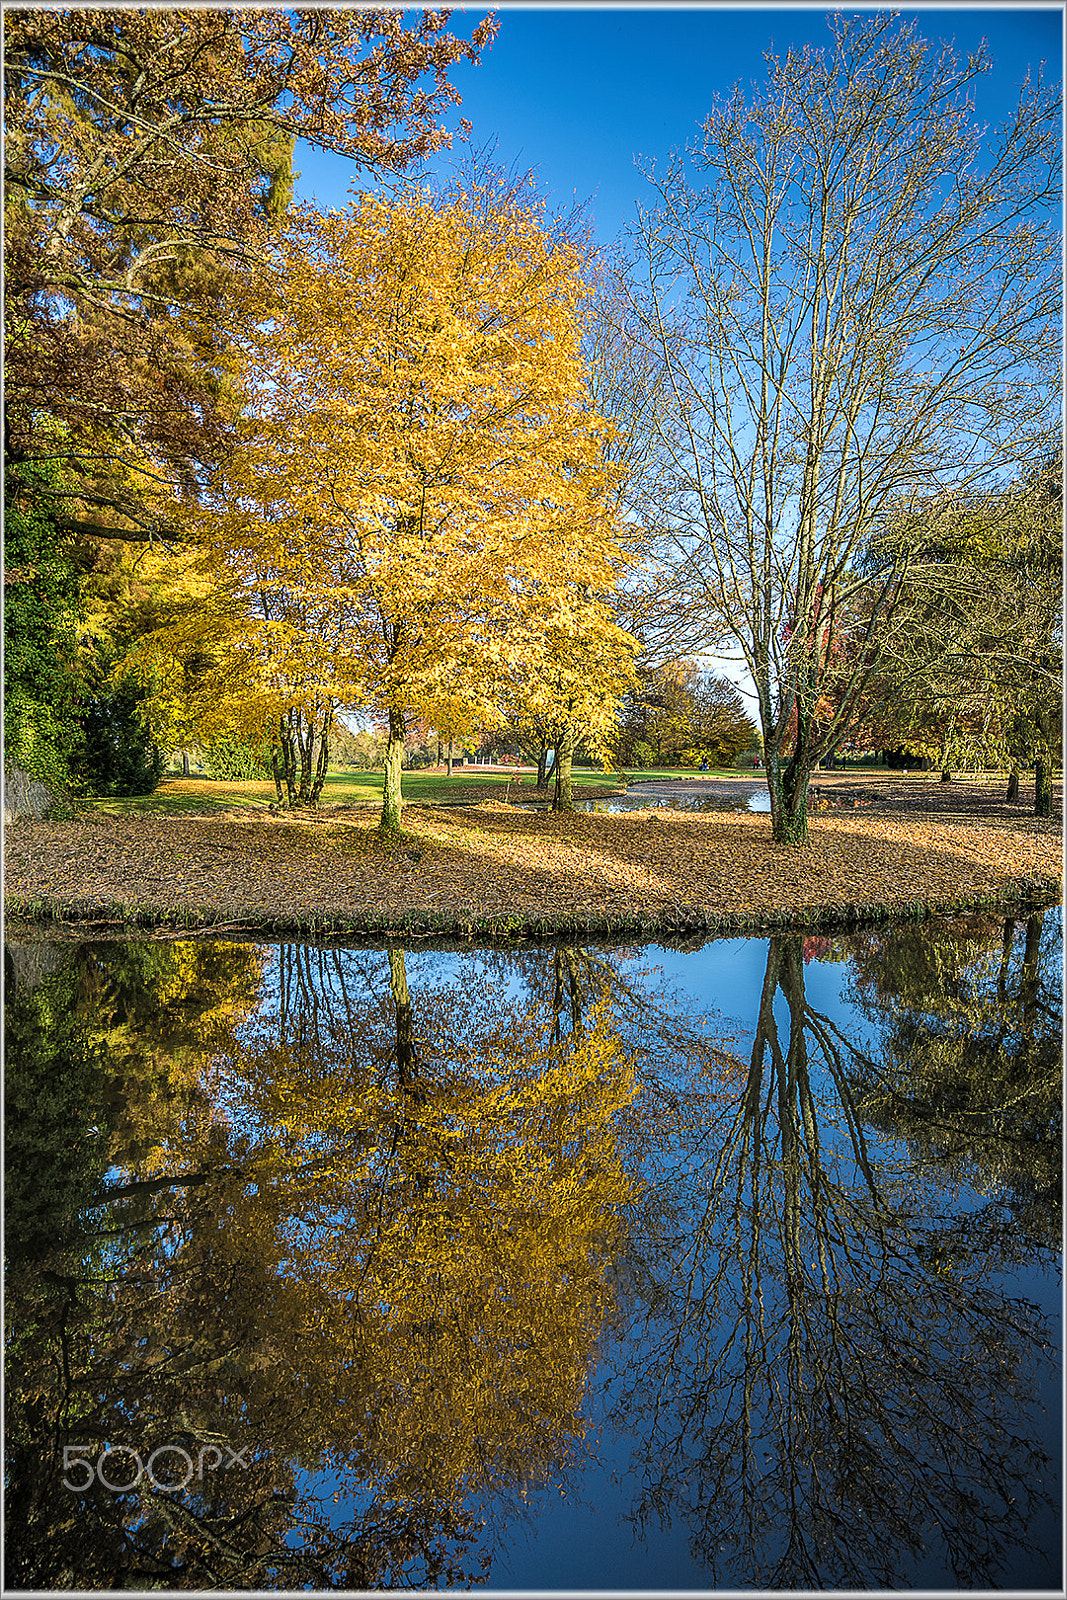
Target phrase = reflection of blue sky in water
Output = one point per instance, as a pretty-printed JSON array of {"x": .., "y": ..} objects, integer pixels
[
  {"x": 889, "y": 1333},
  {"x": 708, "y": 797},
  {"x": 579, "y": 1536},
  {"x": 758, "y": 800},
  {"x": 564, "y": 1550}
]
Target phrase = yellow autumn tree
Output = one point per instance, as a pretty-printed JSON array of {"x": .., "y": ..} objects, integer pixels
[
  {"x": 445, "y": 1214},
  {"x": 417, "y": 513},
  {"x": 390, "y": 1253}
]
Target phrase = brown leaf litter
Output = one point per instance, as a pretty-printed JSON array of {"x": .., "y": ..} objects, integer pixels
[{"x": 494, "y": 869}]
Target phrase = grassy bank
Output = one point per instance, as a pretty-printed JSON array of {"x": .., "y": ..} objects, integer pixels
[{"x": 177, "y": 796}]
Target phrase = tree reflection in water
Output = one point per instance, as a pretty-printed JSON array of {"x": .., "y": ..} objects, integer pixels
[
  {"x": 379, "y": 1251},
  {"x": 969, "y": 1070},
  {"x": 375, "y": 1222},
  {"x": 826, "y": 1381}
]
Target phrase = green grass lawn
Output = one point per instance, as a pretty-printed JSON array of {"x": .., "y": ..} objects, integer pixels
[{"x": 176, "y": 794}]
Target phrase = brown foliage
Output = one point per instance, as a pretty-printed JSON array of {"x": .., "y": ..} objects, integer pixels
[
  {"x": 491, "y": 865},
  {"x": 147, "y": 155}
]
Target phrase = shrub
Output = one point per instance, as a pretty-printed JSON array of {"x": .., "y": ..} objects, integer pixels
[
  {"x": 117, "y": 754},
  {"x": 232, "y": 760},
  {"x": 42, "y": 607}
]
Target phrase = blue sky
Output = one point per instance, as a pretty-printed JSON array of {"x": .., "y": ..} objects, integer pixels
[{"x": 577, "y": 93}]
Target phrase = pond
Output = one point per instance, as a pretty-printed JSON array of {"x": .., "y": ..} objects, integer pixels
[
  {"x": 708, "y": 1265},
  {"x": 696, "y": 794}
]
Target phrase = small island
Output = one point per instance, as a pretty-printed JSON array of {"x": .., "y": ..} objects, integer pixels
[{"x": 494, "y": 863}]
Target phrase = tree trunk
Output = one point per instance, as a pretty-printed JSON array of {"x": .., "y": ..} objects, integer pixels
[
  {"x": 542, "y": 768},
  {"x": 564, "y": 798},
  {"x": 285, "y": 747},
  {"x": 946, "y": 752},
  {"x": 1029, "y": 976},
  {"x": 394, "y": 756},
  {"x": 1013, "y": 783},
  {"x": 185, "y": 763},
  {"x": 1006, "y": 942},
  {"x": 788, "y": 782},
  {"x": 289, "y": 751},
  {"x": 323, "y": 762},
  {"x": 566, "y": 987},
  {"x": 405, "y": 1038},
  {"x": 450, "y": 758},
  {"x": 305, "y": 739},
  {"x": 144, "y": 1186}
]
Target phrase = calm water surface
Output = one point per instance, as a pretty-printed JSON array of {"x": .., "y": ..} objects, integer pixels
[
  {"x": 731, "y": 1265},
  {"x": 694, "y": 795}
]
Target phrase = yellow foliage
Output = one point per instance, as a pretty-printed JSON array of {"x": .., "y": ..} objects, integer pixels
[
  {"x": 441, "y": 1230},
  {"x": 417, "y": 515}
]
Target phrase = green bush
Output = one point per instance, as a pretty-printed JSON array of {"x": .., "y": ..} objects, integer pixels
[
  {"x": 42, "y": 607},
  {"x": 117, "y": 754},
  {"x": 232, "y": 760}
]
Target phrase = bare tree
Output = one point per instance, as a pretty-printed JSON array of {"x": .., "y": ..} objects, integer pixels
[
  {"x": 626, "y": 380},
  {"x": 858, "y": 312}
]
